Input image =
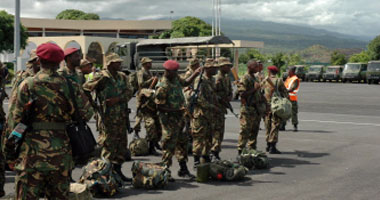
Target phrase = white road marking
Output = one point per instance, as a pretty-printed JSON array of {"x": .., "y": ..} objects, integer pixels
[{"x": 336, "y": 122}]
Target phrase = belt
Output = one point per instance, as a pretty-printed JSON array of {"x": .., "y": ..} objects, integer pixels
[{"x": 49, "y": 125}]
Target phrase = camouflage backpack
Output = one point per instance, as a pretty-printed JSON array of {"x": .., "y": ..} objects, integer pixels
[
  {"x": 281, "y": 106},
  {"x": 139, "y": 147},
  {"x": 100, "y": 178},
  {"x": 253, "y": 159},
  {"x": 227, "y": 170},
  {"x": 149, "y": 175},
  {"x": 79, "y": 192}
]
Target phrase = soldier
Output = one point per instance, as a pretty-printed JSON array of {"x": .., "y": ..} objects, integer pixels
[
  {"x": 292, "y": 84},
  {"x": 45, "y": 160},
  {"x": 85, "y": 68},
  {"x": 171, "y": 109},
  {"x": 2, "y": 161},
  {"x": 113, "y": 92},
  {"x": 249, "y": 89},
  {"x": 273, "y": 86},
  {"x": 205, "y": 111},
  {"x": 223, "y": 89},
  {"x": 72, "y": 59},
  {"x": 32, "y": 67},
  {"x": 145, "y": 79}
]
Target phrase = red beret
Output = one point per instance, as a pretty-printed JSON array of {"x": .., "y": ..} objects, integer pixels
[
  {"x": 171, "y": 65},
  {"x": 69, "y": 51},
  {"x": 273, "y": 68},
  {"x": 50, "y": 52}
]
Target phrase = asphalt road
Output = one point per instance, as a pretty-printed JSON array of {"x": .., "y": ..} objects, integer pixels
[{"x": 334, "y": 155}]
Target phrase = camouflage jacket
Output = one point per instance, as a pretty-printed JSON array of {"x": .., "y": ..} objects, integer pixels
[
  {"x": 42, "y": 149},
  {"x": 207, "y": 98},
  {"x": 269, "y": 90},
  {"x": 107, "y": 86},
  {"x": 74, "y": 76},
  {"x": 223, "y": 89},
  {"x": 169, "y": 93},
  {"x": 188, "y": 90},
  {"x": 144, "y": 78},
  {"x": 246, "y": 83}
]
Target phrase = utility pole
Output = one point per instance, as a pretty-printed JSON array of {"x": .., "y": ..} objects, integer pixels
[
  {"x": 16, "y": 47},
  {"x": 216, "y": 23}
]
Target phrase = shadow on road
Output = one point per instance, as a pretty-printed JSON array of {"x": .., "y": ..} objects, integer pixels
[
  {"x": 130, "y": 191},
  {"x": 247, "y": 181},
  {"x": 306, "y": 154},
  {"x": 306, "y": 131},
  {"x": 288, "y": 162}
]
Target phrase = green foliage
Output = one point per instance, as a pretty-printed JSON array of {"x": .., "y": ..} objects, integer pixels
[
  {"x": 187, "y": 27},
  {"x": 72, "y": 14},
  {"x": 338, "y": 58},
  {"x": 374, "y": 48},
  {"x": 243, "y": 58},
  {"x": 362, "y": 57},
  {"x": 294, "y": 59},
  {"x": 279, "y": 60},
  {"x": 7, "y": 32}
]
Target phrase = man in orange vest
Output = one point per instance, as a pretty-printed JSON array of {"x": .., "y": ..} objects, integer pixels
[{"x": 292, "y": 84}]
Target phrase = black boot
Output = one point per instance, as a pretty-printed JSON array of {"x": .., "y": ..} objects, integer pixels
[
  {"x": 196, "y": 161},
  {"x": 282, "y": 126},
  {"x": 214, "y": 156},
  {"x": 207, "y": 159},
  {"x": 117, "y": 169},
  {"x": 184, "y": 172},
  {"x": 268, "y": 146},
  {"x": 152, "y": 150},
  {"x": 238, "y": 156},
  {"x": 157, "y": 146},
  {"x": 295, "y": 128},
  {"x": 273, "y": 149}
]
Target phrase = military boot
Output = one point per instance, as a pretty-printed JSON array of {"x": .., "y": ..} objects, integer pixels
[
  {"x": 152, "y": 150},
  {"x": 184, "y": 172},
  {"x": 197, "y": 161},
  {"x": 238, "y": 156},
  {"x": 268, "y": 146},
  {"x": 273, "y": 149},
  {"x": 214, "y": 156},
  {"x": 117, "y": 169},
  {"x": 157, "y": 146},
  {"x": 295, "y": 128},
  {"x": 206, "y": 159}
]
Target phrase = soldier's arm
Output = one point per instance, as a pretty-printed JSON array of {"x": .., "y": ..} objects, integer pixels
[
  {"x": 128, "y": 94},
  {"x": 143, "y": 83},
  {"x": 85, "y": 109},
  {"x": 94, "y": 84},
  {"x": 189, "y": 80},
  {"x": 23, "y": 96}
]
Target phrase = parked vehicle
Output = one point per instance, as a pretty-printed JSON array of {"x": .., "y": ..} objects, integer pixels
[
  {"x": 373, "y": 72},
  {"x": 333, "y": 73},
  {"x": 300, "y": 72},
  {"x": 315, "y": 73},
  {"x": 354, "y": 72}
]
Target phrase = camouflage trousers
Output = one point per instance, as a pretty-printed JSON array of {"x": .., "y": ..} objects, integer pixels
[
  {"x": 113, "y": 141},
  {"x": 174, "y": 140},
  {"x": 202, "y": 131},
  {"x": 2, "y": 171},
  {"x": 272, "y": 126},
  {"x": 249, "y": 129},
  {"x": 152, "y": 127},
  {"x": 30, "y": 184},
  {"x": 218, "y": 134},
  {"x": 294, "y": 112}
]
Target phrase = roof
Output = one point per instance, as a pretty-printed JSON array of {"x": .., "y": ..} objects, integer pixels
[
  {"x": 317, "y": 66},
  {"x": 335, "y": 66},
  {"x": 97, "y": 24},
  {"x": 186, "y": 41}
]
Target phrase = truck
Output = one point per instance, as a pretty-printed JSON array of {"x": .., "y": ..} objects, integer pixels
[
  {"x": 315, "y": 73},
  {"x": 373, "y": 72},
  {"x": 300, "y": 72},
  {"x": 333, "y": 73},
  {"x": 354, "y": 72}
]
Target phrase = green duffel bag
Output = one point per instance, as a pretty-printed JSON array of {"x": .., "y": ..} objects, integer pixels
[
  {"x": 281, "y": 107},
  {"x": 79, "y": 192},
  {"x": 139, "y": 147},
  {"x": 253, "y": 159},
  {"x": 227, "y": 170},
  {"x": 149, "y": 175}
]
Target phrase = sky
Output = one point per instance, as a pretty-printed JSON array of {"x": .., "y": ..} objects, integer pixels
[{"x": 353, "y": 17}]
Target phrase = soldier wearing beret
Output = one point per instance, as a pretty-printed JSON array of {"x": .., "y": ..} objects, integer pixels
[
  {"x": 72, "y": 59},
  {"x": 45, "y": 159}
]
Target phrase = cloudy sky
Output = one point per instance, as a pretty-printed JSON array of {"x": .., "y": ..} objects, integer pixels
[{"x": 354, "y": 17}]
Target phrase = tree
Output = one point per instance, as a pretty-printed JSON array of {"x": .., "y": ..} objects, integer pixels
[
  {"x": 362, "y": 57},
  {"x": 279, "y": 60},
  {"x": 374, "y": 48},
  {"x": 72, "y": 14},
  {"x": 338, "y": 58},
  {"x": 187, "y": 27},
  {"x": 7, "y": 32},
  {"x": 255, "y": 54},
  {"x": 243, "y": 58}
]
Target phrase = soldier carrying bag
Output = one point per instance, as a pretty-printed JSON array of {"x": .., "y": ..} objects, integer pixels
[
  {"x": 280, "y": 106},
  {"x": 81, "y": 138}
]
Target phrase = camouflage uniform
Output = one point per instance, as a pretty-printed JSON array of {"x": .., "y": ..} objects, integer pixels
[
  {"x": 2, "y": 161},
  {"x": 45, "y": 159},
  {"x": 174, "y": 140},
  {"x": 203, "y": 117},
  {"x": 112, "y": 119},
  {"x": 76, "y": 75},
  {"x": 223, "y": 89},
  {"x": 272, "y": 122},
  {"x": 249, "y": 117}
]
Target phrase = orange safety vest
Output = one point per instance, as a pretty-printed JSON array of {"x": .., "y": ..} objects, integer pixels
[{"x": 289, "y": 83}]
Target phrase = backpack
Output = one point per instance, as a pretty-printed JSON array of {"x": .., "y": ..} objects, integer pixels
[
  {"x": 280, "y": 106},
  {"x": 100, "y": 178},
  {"x": 253, "y": 159},
  {"x": 139, "y": 147},
  {"x": 79, "y": 192},
  {"x": 149, "y": 175},
  {"x": 227, "y": 170}
]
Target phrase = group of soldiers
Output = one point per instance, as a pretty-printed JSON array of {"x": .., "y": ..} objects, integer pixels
[{"x": 177, "y": 109}]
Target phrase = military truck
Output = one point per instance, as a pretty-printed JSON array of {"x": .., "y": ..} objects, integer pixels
[
  {"x": 333, "y": 73},
  {"x": 300, "y": 72},
  {"x": 354, "y": 72},
  {"x": 315, "y": 73},
  {"x": 373, "y": 72},
  {"x": 161, "y": 50}
]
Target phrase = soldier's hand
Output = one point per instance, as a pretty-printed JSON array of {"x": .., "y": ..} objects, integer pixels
[
  {"x": 112, "y": 101},
  {"x": 257, "y": 86},
  {"x": 198, "y": 70}
]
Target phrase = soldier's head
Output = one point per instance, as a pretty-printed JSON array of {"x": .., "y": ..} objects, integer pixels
[
  {"x": 292, "y": 70},
  {"x": 273, "y": 70},
  {"x": 261, "y": 66},
  {"x": 225, "y": 65},
  {"x": 253, "y": 66},
  {"x": 194, "y": 63},
  {"x": 146, "y": 63},
  {"x": 33, "y": 62},
  {"x": 50, "y": 55},
  {"x": 113, "y": 62},
  {"x": 72, "y": 57},
  {"x": 211, "y": 68},
  {"x": 171, "y": 69},
  {"x": 86, "y": 65}
]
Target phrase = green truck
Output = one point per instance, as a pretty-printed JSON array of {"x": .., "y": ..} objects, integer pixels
[
  {"x": 315, "y": 73},
  {"x": 354, "y": 72},
  {"x": 373, "y": 72},
  {"x": 333, "y": 73}
]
